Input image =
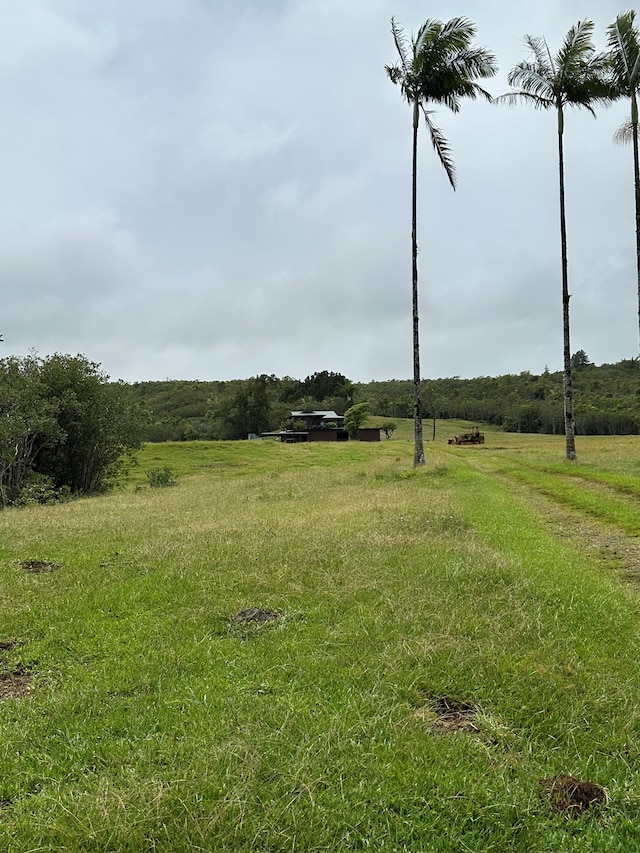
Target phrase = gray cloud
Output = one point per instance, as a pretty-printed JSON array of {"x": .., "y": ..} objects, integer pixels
[{"x": 212, "y": 190}]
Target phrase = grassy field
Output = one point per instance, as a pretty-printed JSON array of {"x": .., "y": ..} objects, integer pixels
[{"x": 437, "y": 649}]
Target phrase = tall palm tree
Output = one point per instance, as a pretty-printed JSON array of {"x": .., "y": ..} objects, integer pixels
[
  {"x": 624, "y": 42},
  {"x": 575, "y": 77},
  {"x": 439, "y": 65}
]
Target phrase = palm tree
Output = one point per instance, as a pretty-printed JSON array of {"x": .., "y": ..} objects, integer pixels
[
  {"x": 348, "y": 390},
  {"x": 624, "y": 42},
  {"x": 438, "y": 66},
  {"x": 575, "y": 77}
]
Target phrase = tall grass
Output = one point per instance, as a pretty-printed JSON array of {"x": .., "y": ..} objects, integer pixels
[{"x": 155, "y": 723}]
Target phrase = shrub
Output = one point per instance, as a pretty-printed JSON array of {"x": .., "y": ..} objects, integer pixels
[
  {"x": 161, "y": 477},
  {"x": 40, "y": 489}
]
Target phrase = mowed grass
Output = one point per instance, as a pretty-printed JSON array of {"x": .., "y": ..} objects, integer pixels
[
  {"x": 603, "y": 483},
  {"x": 154, "y": 723}
]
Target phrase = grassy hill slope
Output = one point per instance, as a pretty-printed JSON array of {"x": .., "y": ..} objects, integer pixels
[{"x": 150, "y": 720}]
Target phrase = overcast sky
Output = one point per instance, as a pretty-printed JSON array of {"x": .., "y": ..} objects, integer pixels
[{"x": 213, "y": 189}]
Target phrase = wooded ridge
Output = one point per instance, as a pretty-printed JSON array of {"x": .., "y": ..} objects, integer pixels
[{"x": 606, "y": 401}]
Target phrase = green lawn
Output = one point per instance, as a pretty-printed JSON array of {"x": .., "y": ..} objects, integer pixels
[{"x": 154, "y": 723}]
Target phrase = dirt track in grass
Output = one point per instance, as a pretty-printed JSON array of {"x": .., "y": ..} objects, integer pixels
[{"x": 612, "y": 547}]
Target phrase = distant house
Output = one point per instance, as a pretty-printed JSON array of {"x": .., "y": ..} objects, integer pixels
[
  {"x": 319, "y": 419},
  {"x": 322, "y": 426}
]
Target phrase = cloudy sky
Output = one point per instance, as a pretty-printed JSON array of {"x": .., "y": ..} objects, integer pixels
[{"x": 212, "y": 189}]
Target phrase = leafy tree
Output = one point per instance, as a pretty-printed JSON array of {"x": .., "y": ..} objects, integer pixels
[
  {"x": 355, "y": 417},
  {"x": 575, "y": 77},
  {"x": 438, "y": 66},
  {"x": 322, "y": 385},
  {"x": 240, "y": 408},
  {"x": 289, "y": 389},
  {"x": 100, "y": 423},
  {"x": 580, "y": 359},
  {"x": 27, "y": 424},
  {"x": 388, "y": 428},
  {"x": 63, "y": 426},
  {"x": 624, "y": 44}
]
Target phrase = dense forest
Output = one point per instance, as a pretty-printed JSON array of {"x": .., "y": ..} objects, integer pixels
[{"x": 606, "y": 401}]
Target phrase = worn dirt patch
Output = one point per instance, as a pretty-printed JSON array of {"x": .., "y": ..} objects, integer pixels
[
  {"x": 255, "y": 614},
  {"x": 7, "y": 645},
  {"x": 39, "y": 567},
  {"x": 445, "y": 714},
  {"x": 14, "y": 685},
  {"x": 570, "y": 796}
]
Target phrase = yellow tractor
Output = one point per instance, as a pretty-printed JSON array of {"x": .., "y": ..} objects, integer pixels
[{"x": 472, "y": 437}]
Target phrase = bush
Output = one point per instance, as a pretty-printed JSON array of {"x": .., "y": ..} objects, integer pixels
[
  {"x": 40, "y": 489},
  {"x": 100, "y": 424},
  {"x": 159, "y": 478},
  {"x": 65, "y": 429}
]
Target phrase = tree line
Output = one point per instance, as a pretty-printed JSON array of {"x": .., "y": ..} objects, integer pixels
[
  {"x": 440, "y": 65},
  {"x": 189, "y": 410},
  {"x": 607, "y": 401}
]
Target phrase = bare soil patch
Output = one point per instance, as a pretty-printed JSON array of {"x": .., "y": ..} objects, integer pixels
[
  {"x": 14, "y": 685},
  {"x": 255, "y": 614},
  {"x": 570, "y": 796},
  {"x": 39, "y": 567},
  {"x": 451, "y": 715}
]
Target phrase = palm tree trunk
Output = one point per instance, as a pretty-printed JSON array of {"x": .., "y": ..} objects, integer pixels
[
  {"x": 418, "y": 449},
  {"x": 569, "y": 425},
  {"x": 636, "y": 184}
]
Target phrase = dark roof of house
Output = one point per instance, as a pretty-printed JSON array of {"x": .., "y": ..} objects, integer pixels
[{"x": 324, "y": 414}]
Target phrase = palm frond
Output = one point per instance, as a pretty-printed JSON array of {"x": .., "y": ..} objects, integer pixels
[
  {"x": 542, "y": 57},
  {"x": 394, "y": 73},
  {"x": 475, "y": 63},
  {"x": 429, "y": 32},
  {"x": 458, "y": 33},
  {"x": 441, "y": 147},
  {"x": 400, "y": 41},
  {"x": 617, "y": 39},
  {"x": 550, "y": 59},
  {"x": 624, "y": 134},
  {"x": 624, "y": 43},
  {"x": 533, "y": 79},
  {"x": 513, "y": 98},
  {"x": 577, "y": 48}
]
